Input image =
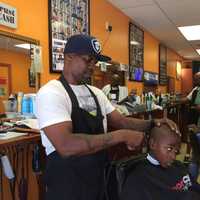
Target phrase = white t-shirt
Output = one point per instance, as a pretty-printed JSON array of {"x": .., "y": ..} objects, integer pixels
[
  {"x": 53, "y": 105},
  {"x": 189, "y": 96}
]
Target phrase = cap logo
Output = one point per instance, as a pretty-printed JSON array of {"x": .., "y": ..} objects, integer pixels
[{"x": 96, "y": 45}]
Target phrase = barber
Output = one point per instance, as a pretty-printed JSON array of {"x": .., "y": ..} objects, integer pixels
[
  {"x": 114, "y": 91},
  {"x": 194, "y": 99},
  {"x": 194, "y": 119},
  {"x": 74, "y": 119}
]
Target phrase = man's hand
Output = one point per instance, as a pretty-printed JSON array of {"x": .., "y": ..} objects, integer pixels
[
  {"x": 132, "y": 139},
  {"x": 172, "y": 125}
]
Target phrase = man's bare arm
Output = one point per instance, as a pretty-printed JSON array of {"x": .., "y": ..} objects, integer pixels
[
  {"x": 68, "y": 143},
  {"x": 117, "y": 121}
]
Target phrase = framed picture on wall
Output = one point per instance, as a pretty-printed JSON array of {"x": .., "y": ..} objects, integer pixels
[
  {"x": 66, "y": 18},
  {"x": 136, "y": 50},
  {"x": 163, "y": 65}
]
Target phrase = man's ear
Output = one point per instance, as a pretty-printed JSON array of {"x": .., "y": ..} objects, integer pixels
[
  {"x": 152, "y": 144},
  {"x": 68, "y": 57}
]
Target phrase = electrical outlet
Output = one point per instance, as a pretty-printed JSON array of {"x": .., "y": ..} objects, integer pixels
[{"x": 107, "y": 26}]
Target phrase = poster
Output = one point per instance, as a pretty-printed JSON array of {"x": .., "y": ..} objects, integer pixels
[
  {"x": 66, "y": 18},
  {"x": 136, "y": 50}
]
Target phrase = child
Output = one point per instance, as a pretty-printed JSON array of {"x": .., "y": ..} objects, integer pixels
[{"x": 160, "y": 176}]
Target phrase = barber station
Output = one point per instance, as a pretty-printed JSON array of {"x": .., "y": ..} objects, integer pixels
[{"x": 99, "y": 100}]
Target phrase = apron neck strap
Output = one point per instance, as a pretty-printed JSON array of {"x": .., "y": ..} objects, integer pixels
[
  {"x": 69, "y": 91},
  {"x": 73, "y": 96},
  {"x": 96, "y": 101}
]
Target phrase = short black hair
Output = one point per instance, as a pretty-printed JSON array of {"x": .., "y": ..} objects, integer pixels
[{"x": 158, "y": 132}]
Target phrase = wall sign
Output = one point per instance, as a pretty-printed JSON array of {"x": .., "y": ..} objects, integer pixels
[
  {"x": 8, "y": 16},
  {"x": 162, "y": 65},
  {"x": 66, "y": 18}
]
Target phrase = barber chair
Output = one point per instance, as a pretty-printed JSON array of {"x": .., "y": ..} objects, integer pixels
[
  {"x": 193, "y": 115},
  {"x": 195, "y": 145},
  {"x": 117, "y": 173}
]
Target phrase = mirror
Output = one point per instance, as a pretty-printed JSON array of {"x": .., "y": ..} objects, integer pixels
[
  {"x": 104, "y": 71},
  {"x": 15, "y": 66}
]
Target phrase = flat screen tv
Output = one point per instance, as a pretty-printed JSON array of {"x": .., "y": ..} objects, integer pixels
[
  {"x": 150, "y": 78},
  {"x": 136, "y": 74}
]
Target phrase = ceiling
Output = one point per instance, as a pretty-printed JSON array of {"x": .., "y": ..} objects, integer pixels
[{"x": 162, "y": 17}]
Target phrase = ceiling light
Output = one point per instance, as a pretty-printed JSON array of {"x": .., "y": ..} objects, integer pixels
[
  {"x": 178, "y": 67},
  {"x": 133, "y": 42},
  {"x": 24, "y": 46},
  {"x": 190, "y": 32},
  {"x": 198, "y": 51}
]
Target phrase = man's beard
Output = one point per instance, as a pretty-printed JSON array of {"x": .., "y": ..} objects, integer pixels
[{"x": 86, "y": 80}]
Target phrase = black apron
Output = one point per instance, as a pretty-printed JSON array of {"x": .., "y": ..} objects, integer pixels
[{"x": 78, "y": 177}]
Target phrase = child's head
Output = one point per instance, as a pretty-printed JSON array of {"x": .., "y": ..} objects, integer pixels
[
  {"x": 133, "y": 92},
  {"x": 164, "y": 144}
]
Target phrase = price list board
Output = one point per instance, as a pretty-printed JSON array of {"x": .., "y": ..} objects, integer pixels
[{"x": 162, "y": 65}]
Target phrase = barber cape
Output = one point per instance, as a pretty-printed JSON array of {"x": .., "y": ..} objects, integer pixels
[{"x": 150, "y": 181}]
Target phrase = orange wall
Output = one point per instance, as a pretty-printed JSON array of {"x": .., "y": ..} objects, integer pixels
[
  {"x": 33, "y": 22},
  {"x": 20, "y": 63},
  {"x": 150, "y": 53},
  {"x": 115, "y": 43},
  {"x": 172, "y": 59}
]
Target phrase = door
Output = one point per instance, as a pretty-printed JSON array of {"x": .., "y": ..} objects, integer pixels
[
  {"x": 171, "y": 84},
  {"x": 186, "y": 81}
]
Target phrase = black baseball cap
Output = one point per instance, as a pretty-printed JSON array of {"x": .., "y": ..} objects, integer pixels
[{"x": 85, "y": 45}]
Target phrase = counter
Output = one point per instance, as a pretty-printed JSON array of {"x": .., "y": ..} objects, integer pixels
[{"x": 20, "y": 153}]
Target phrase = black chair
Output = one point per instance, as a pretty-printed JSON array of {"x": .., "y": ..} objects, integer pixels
[
  {"x": 195, "y": 145},
  {"x": 116, "y": 174}
]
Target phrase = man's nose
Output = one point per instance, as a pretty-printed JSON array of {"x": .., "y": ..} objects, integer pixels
[{"x": 173, "y": 155}]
